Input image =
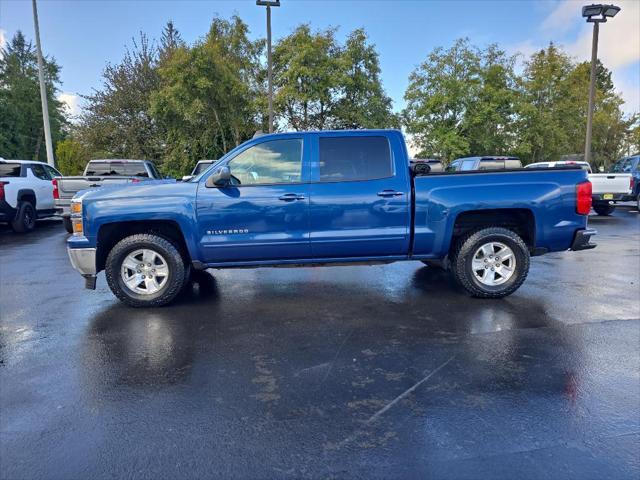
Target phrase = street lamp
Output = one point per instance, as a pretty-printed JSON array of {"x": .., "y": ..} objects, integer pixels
[
  {"x": 269, "y": 4},
  {"x": 595, "y": 14}
]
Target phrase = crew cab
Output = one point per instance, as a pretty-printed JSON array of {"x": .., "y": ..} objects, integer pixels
[
  {"x": 26, "y": 193},
  {"x": 325, "y": 198},
  {"x": 100, "y": 173},
  {"x": 606, "y": 188}
]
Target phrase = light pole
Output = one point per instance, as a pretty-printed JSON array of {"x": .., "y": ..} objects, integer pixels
[
  {"x": 269, "y": 4},
  {"x": 595, "y": 14},
  {"x": 43, "y": 90}
]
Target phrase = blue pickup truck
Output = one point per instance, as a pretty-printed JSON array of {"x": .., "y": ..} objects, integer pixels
[{"x": 323, "y": 198}]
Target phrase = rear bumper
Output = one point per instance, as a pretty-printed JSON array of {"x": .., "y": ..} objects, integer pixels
[
  {"x": 7, "y": 212},
  {"x": 63, "y": 208},
  {"x": 611, "y": 197},
  {"x": 581, "y": 239}
]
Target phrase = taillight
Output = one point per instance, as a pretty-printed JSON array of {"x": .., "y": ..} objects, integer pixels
[
  {"x": 583, "y": 198},
  {"x": 632, "y": 183},
  {"x": 56, "y": 192},
  {"x": 2, "y": 184},
  {"x": 135, "y": 180}
]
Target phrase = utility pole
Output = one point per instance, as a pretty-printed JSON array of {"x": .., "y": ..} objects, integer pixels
[
  {"x": 596, "y": 14},
  {"x": 269, "y": 4},
  {"x": 43, "y": 89},
  {"x": 592, "y": 91}
]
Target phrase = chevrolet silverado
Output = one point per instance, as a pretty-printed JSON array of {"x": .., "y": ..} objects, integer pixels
[{"x": 327, "y": 198}]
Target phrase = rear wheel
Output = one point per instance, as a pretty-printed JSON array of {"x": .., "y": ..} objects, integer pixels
[
  {"x": 145, "y": 270},
  {"x": 67, "y": 224},
  {"x": 491, "y": 263},
  {"x": 604, "y": 208},
  {"x": 25, "y": 220}
]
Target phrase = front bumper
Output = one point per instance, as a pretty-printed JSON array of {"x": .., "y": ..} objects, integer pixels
[
  {"x": 83, "y": 260},
  {"x": 581, "y": 239}
]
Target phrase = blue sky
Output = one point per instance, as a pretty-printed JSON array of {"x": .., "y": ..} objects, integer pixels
[{"x": 84, "y": 35}]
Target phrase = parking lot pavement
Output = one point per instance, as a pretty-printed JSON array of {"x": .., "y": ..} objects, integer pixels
[{"x": 371, "y": 372}]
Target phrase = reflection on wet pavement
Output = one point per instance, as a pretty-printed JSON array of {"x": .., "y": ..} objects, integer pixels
[{"x": 381, "y": 371}]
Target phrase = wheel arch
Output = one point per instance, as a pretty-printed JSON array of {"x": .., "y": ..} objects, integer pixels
[
  {"x": 109, "y": 234},
  {"x": 519, "y": 220},
  {"x": 28, "y": 195}
]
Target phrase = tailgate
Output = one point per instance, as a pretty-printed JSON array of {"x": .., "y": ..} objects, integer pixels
[
  {"x": 69, "y": 186},
  {"x": 610, "y": 182}
]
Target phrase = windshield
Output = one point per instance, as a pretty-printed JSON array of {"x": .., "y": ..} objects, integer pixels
[{"x": 622, "y": 166}]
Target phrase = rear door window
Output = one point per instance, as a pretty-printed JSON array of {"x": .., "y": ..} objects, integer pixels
[
  {"x": 491, "y": 164},
  {"x": 345, "y": 159},
  {"x": 39, "y": 171},
  {"x": 10, "y": 169}
]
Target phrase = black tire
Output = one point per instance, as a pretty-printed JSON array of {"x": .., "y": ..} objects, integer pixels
[
  {"x": 66, "y": 221},
  {"x": 170, "y": 288},
  {"x": 604, "y": 209},
  {"x": 638, "y": 203},
  {"x": 25, "y": 220},
  {"x": 461, "y": 262}
]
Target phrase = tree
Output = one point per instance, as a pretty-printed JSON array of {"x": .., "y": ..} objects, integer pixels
[
  {"x": 363, "y": 102},
  {"x": 306, "y": 78},
  {"x": 207, "y": 100},
  {"x": 71, "y": 156},
  {"x": 21, "y": 126},
  {"x": 440, "y": 91},
  {"x": 489, "y": 123},
  {"x": 116, "y": 120}
]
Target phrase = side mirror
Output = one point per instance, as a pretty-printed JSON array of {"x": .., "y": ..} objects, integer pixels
[
  {"x": 186, "y": 178},
  {"x": 220, "y": 178}
]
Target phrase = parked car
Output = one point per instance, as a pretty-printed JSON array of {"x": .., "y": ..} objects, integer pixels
[
  {"x": 200, "y": 167},
  {"x": 563, "y": 163},
  {"x": 607, "y": 188},
  {"x": 346, "y": 197},
  {"x": 630, "y": 165},
  {"x": 26, "y": 193},
  {"x": 484, "y": 163},
  {"x": 99, "y": 173}
]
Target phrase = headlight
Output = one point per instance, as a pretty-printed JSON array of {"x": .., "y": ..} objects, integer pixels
[{"x": 76, "y": 217}]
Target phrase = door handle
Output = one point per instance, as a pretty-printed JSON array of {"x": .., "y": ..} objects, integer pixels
[
  {"x": 290, "y": 197},
  {"x": 390, "y": 193}
]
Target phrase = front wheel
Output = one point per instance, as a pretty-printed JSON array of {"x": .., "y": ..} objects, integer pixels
[
  {"x": 604, "y": 208},
  {"x": 491, "y": 263},
  {"x": 145, "y": 270}
]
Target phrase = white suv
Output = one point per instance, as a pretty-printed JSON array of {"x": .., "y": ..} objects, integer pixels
[{"x": 26, "y": 193}]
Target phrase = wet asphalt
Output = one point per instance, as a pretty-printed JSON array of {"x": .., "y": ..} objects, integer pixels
[{"x": 343, "y": 372}]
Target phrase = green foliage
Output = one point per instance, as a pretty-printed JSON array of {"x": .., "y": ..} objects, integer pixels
[
  {"x": 71, "y": 157},
  {"x": 207, "y": 100},
  {"x": 466, "y": 101},
  {"x": 21, "y": 126},
  {"x": 116, "y": 119},
  {"x": 321, "y": 84}
]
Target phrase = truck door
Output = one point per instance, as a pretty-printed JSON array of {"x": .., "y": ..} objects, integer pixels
[
  {"x": 360, "y": 205},
  {"x": 264, "y": 213}
]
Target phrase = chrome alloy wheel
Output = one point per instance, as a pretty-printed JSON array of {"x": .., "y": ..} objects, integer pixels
[
  {"x": 144, "y": 271},
  {"x": 493, "y": 264}
]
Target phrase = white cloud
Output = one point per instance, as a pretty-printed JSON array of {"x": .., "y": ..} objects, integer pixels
[
  {"x": 71, "y": 102},
  {"x": 563, "y": 17},
  {"x": 3, "y": 40},
  {"x": 619, "y": 40},
  {"x": 618, "y": 45}
]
